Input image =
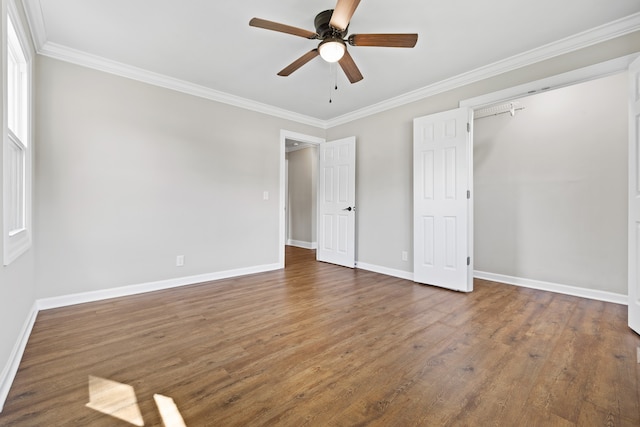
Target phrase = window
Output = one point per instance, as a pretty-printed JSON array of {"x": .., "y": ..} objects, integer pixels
[{"x": 16, "y": 142}]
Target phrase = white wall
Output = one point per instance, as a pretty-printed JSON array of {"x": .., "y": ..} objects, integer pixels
[
  {"x": 130, "y": 175},
  {"x": 302, "y": 195},
  {"x": 551, "y": 188},
  {"x": 384, "y": 155}
]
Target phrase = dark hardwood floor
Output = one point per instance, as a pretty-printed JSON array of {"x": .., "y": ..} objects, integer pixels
[{"x": 320, "y": 345}]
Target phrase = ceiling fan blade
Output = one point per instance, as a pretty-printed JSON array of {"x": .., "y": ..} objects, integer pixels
[
  {"x": 299, "y": 62},
  {"x": 282, "y": 28},
  {"x": 342, "y": 14},
  {"x": 383, "y": 40},
  {"x": 350, "y": 68}
]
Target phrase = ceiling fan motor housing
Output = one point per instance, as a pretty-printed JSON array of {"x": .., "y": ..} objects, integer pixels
[{"x": 323, "y": 28}]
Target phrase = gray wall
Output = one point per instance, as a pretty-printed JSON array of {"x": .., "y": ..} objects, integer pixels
[
  {"x": 551, "y": 187},
  {"x": 303, "y": 171},
  {"x": 131, "y": 175},
  {"x": 17, "y": 298},
  {"x": 17, "y": 282},
  {"x": 384, "y": 154}
]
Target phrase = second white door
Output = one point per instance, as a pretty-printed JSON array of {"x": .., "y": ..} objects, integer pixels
[
  {"x": 442, "y": 200},
  {"x": 337, "y": 202}
]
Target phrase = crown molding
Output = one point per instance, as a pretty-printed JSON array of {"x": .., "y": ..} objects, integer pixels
[
  {"x": 35, "y": 20},
  {"x": 43, "y": 47},
  {"x": 64, "y": 53},
  {"x": 620, "y": 27},
  {"x": 569, "y": 44}
]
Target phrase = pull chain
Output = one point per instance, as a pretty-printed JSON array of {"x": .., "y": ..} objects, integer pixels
[
  {"x": 333, "y": 80},
  {"x": 330, "y": 73}
]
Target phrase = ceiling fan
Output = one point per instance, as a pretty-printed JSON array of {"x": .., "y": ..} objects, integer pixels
[{"x": 332, "y": 28}]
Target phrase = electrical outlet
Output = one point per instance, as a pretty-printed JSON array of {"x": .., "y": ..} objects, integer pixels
[
  {"x": 265, "y": 195},
  {"x": 180, "y": 261},
  {"x": 405, "y": 256}
]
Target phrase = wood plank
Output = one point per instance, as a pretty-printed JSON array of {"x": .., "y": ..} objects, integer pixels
[{"x": 317, "y": 344}]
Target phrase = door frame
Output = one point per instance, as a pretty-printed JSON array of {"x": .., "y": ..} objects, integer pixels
[{"x": 300, "y": 137}]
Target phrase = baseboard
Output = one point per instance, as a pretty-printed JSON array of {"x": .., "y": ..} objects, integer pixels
[
  {"x": 407, "y": 275},
  {"x": 554, "y": 287},
  {"x": 516, "y": 281},
  {"x": 11, "y": 369},
  {"x": 302, "y": 244},
  {"x": 79, "y": 298}
]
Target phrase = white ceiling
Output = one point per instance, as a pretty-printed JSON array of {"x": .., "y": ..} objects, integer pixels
[{"x": 209, "y": 44}]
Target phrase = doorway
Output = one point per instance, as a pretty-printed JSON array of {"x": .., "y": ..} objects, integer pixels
[
  {"x": 550, "y": 182},
  {"x": 301, "y": 194},
  {"x": 295, "y": 145},
  {"x": 533, "y": 181}
]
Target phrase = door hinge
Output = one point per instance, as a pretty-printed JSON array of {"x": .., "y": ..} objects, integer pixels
[
  {"x": 468, "y": 127},
  {"x": 468, "y": 194},
  {"x": 468, "y": 260}
]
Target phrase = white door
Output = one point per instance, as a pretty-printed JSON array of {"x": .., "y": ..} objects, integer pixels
[
  {"x": 634, "y": 196},
  {"x": 442, "y": 204},
  {"x": 337, "y": 202}
]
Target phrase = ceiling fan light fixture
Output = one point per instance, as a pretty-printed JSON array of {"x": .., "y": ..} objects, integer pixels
[{"x": 332, "y": 49}]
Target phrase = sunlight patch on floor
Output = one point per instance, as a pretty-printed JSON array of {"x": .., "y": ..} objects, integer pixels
[
  {"x": 169, "y": 412},
  {"x": 115, "y": 399}
]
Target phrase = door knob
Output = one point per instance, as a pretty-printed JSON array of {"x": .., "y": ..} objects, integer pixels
[{"x": 348, "y": 209}]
